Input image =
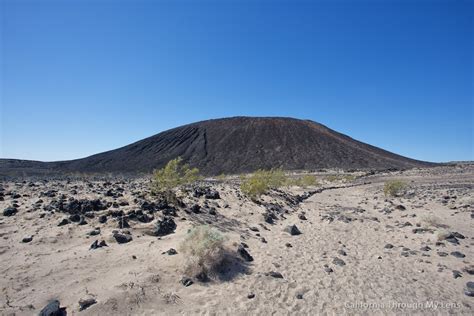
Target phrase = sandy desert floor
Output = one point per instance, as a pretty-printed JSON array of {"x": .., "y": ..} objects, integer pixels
[{"x": 359, "y": 252}]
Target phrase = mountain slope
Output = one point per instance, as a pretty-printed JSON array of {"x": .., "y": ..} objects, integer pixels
[{"x": 234, "y": 145}]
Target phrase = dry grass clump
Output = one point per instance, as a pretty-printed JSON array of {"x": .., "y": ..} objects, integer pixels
[
  {"x": 204, "y": 247},
  {"x": 394, "y": 188},
  {"x": 433, "y": 221}
]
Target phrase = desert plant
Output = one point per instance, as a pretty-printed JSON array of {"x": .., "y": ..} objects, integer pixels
[
  {"x": 173, "y": 175},
  {"x": 394, "y": 187},
  {"x": 442, "y": 234},
  {"x": 222, "y": 177},
  {"x": 204, "y": 247},
  {"x": 433, "y": 221},
  {"x": 307, "y": 181},
  {"x": 261, "y": 181}
]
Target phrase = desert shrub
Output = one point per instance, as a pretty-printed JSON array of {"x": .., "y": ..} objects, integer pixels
[
  {"x": 307, "y": 181},
  {"x": 433, "y": 221},
  {"x": 332, "y": 178},
  {"x": 394, "y": 187},
  {"x": 303, "y": 181},
  {"x": 204, "y": 247},
  {"x": 442, "y": 234},
  {"x": 261, "y": 181},
  {"x": 173, "y": 175},
  {"x": 221, "y": 178},
  {"x": 349, "y": 177}
]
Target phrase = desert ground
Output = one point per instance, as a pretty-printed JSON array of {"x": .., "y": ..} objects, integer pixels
[{"x": 359, "y": 251}]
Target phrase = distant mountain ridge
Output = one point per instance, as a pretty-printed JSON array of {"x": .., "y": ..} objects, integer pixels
[{"x": 232, "y": 145}]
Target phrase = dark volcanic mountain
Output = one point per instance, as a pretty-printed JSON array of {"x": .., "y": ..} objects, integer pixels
[{"x": 233, "y": 145}]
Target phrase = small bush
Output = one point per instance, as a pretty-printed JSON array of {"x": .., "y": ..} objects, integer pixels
[
  {"x": 433, "y": 221},
  {"x": 261, "y": 181},
  {"x": 394, "y": 188},
  {"x": 303, "y": 182},
  {"x": 442, "y": 234},
  {"x": 173, "y": 175},
  {"x": 204, "y": 247}
]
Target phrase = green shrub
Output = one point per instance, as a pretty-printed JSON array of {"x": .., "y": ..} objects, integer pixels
[
  {"x": 261, "y": 181},
  {"x": 303, "y": 181},
  {"x": 307, "y": 181},
  {"x": 394, "y": 187},
  {"x": 204, "y": 247},
  {"x": 173, "y": 175}
]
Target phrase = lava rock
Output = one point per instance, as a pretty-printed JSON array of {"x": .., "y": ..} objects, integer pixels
[
  {"x": 469, "y": 291},
  {"x": 338, "y": 262},
  {"x": 276, "y": 275},
  {"x": 102, "y": 219},
  {"x": 186, "y": 281},
  {"x": 171, "y": 252},
  {"x": 458, "y": 254},
  {"x": 27, "y": 239},
  {"x": 10, "y": 211},
  {"x": 86, "y": 303},
  {"x": 457, "y": 274},
  {"x": 122, "y": 238},
  {"x": 165, "y": 227},
  {"x": 53, "y": 308},
  {"x": 293, "y": 230},
  {"x": 302, "y": 217},
  {"x": 63, "y": 222},
  {"x": 244, "y": 253}
]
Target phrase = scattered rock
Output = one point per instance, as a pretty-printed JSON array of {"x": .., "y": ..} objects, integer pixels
[
  {"x": 293, "y": 230},
  {"x": 469, "y": 291},
  {"x": 102, "y": 219},
  {"x": 250, "y": 295},
  {"x": 10, "y": 211},
  {"x": 171, "y": 252},
  {"x": 339, "y": 262},
  {"x": 458, "y": 254},
  {"x": 86, "y": 303},
  {"x": 388, "y": 246},
  {"x": 96, "y": 244},
  {"x": 165, "y": 227},
  {"x": 276, "y": 275},
  {"x": 53, "y": 308},
  {"x": 63, "y": 222},
  {"x": 186, "y": 281},
  {"x": 27, "y": 239},
  {"x": 457, "y": 274},
  {"x": 244, "y": 253},
  {"x": 122, "y": 238}
]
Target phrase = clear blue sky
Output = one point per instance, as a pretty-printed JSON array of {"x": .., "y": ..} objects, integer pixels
[{"x": 81, "y": 77}]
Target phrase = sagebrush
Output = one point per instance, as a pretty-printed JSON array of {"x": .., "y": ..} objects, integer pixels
[
  {"x": 204, "y": 247},
  {"x": 394, "y": 188}
]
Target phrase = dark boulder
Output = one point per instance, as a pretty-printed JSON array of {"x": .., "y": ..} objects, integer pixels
[
  {"x": 53, "y": 308},
  {"x": 165, "y": 227},
  {"x": 293, "y": 230},
  {"x": 122, "y": 238},
  {"x": 10, "y": 211},
  {"x": 244, "y": 253}
]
